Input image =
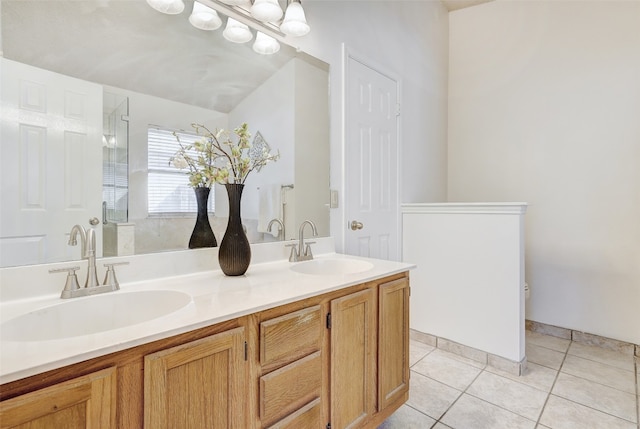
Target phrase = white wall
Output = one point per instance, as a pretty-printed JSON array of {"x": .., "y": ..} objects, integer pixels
[
  {"x": 544, "y": 107},
  {"x": 270, "y": 110},
  {"x": 467, "y": 286},
  {"x": 408, "y": 39}
]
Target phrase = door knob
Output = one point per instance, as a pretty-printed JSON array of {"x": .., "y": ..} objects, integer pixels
[
  {"x": 355, "y": 225},
  {"x": 94, "y": 221}
]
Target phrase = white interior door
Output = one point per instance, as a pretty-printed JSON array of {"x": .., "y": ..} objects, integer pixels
[
  {"x": 50, "y": 154},
  {"x": 372, "y": 200}
]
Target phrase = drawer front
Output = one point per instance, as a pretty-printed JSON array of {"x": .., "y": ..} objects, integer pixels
[
  {"x": 307, "y": 417},
  {"x": 289, "y": 337},
  {"x": 286, "y": 390}
]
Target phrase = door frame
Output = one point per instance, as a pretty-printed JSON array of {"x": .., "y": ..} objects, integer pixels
[{"x": 347, "y": 54}]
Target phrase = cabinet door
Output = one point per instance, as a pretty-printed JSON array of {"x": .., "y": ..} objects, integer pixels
[
  {"x": 393, "y": 341},
  {"x": 84, "y": 402},
  {"x": 197, "y": 385},
  {"x": 353, "y": 359}
]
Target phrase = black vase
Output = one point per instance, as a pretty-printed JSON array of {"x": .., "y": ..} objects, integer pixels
[
  {"x": 234, "y": 254},
  {"x": 202, "y": 235}
]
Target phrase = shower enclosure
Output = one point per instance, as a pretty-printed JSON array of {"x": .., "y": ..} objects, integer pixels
[{"x": 115, "y": 167}]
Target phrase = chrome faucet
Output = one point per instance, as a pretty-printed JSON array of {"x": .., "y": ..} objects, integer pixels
[
  {"x": 91, "y": 286},
  {"x": 281, "y": 230},
  {"x": 298, "y": 254},
  {"x": 88, "y": 240}
]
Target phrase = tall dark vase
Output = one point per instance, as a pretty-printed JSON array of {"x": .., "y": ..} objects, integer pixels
[
  {"x": 234, "y": 254},
  {"x": 202, "y": 235}
]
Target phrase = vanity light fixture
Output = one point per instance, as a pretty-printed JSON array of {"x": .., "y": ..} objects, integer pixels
[
  {"x": 237, "y": 32},
  {"x": 204, "y": 18},
  {"x": 265, "y": 45},
  {"x": 170, "y": 7},
  {"x": 263, "y": 15},
  {"x": 295, "y": 22}
]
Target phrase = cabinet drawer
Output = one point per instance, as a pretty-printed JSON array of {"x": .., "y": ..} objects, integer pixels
[
  {"x": 289, "y": 388},
  {"x": 289, "y": 337},
  {"x": 307, "y": 417}
]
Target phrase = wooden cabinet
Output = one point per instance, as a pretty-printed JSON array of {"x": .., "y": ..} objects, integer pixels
[
  {"x": 84, "y": 402},
  {"x": 393, "y": 341},
  {"x": 196, "y": 385},
  {"x": 369, "y": 354},
  {"x": 291, "y": 367},
  {"x": 353, "y": 359},
  {"x": 341, "y": 358}
]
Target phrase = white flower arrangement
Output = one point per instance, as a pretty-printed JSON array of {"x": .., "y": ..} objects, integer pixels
[{"x": 218, "y": 158}]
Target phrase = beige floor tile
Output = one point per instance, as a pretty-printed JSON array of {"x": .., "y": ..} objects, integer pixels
[
  {"x": 535, "y": 375},
  {"x": 600, "y": 373},
  {"x": 548, "y": 341},
  {"x": 417, "y": 351},
  {"x": 472, "y": 413},
  {"x": 560, "y": 413},
  {"x": 606, "y": 399},
  {"x": 440, "y": 425},
  {"x": 598, "y": 354},
  {"x": 429, "y": 396},
  {"x": 544, "y": 356},
  {"x": 407, "y": 418},
  {"x": 519, "y": 398},
  {"x": 442, "y": 367}
]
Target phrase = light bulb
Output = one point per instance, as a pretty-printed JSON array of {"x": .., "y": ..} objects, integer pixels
[
  {"x": 294, "y": 23},
  {"x": 265, "y": 45},
  {"x": 170, "y": 7},
  {"x": 204, "y": 18},
  {"x": 266, "y": 10},
  {"x": 237, "y": 32}
]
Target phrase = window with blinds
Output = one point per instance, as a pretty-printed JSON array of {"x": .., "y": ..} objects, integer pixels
[{"x": 169, "y": 192}]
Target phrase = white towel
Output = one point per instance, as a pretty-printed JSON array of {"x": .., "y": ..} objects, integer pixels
[{"x": 269, "y": 207}]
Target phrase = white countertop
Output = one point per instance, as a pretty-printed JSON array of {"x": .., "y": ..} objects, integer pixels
[{"x": 215, "y": 298}]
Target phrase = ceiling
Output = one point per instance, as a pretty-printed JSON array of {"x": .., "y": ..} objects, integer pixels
[
  {"x": 452, "y": 5},
  {"x": 127, "y": 44}
]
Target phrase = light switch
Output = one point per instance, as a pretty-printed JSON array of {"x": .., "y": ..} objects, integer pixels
[{"x": 333, "y": 204}]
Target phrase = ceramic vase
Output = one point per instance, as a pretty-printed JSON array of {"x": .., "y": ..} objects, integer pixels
[
  {"x": 234, "y": 254},
  {"x": 202, "y": 235}
]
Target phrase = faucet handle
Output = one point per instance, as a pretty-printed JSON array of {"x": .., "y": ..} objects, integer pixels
[
  {"x": 307, "y": 249},
  {"x": 293, "y": 256},
  {"x": 110, "y": 278},
  {"x": 71, "y": 284}
]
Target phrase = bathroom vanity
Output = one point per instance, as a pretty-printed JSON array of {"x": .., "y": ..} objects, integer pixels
[{"x": 286, "y": 346}]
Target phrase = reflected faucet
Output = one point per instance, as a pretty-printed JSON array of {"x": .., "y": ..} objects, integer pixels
[
  {"x": 298, "y": 254},
  {"x": 281, "y": 230},
  {"x": 88, "y": 250}
]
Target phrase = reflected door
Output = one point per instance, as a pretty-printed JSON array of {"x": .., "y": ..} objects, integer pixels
[
  {"x": 51, "y": 163},
  {"x": 372, "y": 200}
]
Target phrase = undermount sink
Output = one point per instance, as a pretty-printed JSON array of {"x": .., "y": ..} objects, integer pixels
[
  {"x": 92, "y": 315},
  {"x": 329, "y": 267}
]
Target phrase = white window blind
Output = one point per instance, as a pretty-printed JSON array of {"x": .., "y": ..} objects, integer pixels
[{"x": 169, "y": 192}]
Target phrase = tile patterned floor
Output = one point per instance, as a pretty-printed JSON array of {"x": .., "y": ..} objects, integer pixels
[{"x": 567, "y": 385}]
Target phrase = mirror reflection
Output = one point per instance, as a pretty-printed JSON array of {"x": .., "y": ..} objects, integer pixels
[{"x": 85, "y": 85}]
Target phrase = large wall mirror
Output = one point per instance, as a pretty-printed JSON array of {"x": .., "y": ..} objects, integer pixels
[{"x": 84, "y": 82}]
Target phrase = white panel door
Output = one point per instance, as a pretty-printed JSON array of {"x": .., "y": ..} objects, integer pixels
[
  {"x": 372, "y": 201},
  {"x": 51, "y": 159}
]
